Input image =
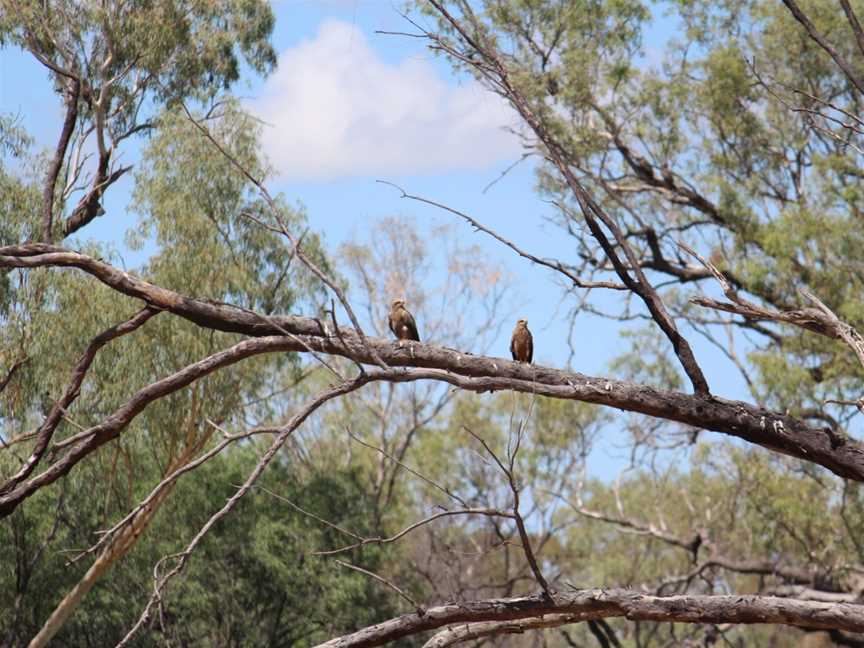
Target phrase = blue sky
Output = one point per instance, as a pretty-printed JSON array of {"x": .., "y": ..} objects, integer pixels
[{"x": 347, "y": 107}]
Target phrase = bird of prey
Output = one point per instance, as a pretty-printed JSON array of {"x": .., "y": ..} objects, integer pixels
[
  {"x": 402, "y": 322},
  {"x": 522, "y": 343}
]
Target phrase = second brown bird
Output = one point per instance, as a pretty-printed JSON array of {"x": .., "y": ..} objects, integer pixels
[{"x": 522, "y": 342}]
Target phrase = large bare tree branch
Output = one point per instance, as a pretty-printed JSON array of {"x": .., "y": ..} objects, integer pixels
[
  {"x": 818, "y": 320},
  {"x": 582, "y": 605},
  {"x": 825, "y": 446}
]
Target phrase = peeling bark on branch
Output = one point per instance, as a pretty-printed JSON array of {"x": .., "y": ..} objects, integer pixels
[
  {"x": 466, "y": 632},
  {"x": 583, "y": 605},
  {"x": 89, "y": 207}
]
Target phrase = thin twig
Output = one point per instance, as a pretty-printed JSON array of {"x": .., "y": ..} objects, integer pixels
[
  {"x": 517, "y": 517},
  {"x": 432, "y": 483},
  {"x": 549, "y": 263},
  {"x": 416, "y": 525},
  {"x": 283, "y": 229},
  {"x": 384, "y": 581}
]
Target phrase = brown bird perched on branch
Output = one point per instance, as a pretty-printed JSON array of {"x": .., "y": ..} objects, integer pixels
[
  {"x": 522, "y": 342},
  {"x": 402, "y": 322}
]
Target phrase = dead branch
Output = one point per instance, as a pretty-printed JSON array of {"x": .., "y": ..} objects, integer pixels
[
  {"x": 549, "y": 263},
  {"x": 820, "y": 319},
  {"x": 587, "y": 604},
  {"x": 840, "y": 329},
  {"x": 416, "y": 525},
  {"x": 634, "y": 526},
  {"x": 516, "y": 515},
  {"x": 828, "y": 447},
  {"x": 385, "y": 582}
]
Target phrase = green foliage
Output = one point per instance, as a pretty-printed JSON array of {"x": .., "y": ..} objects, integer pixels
[
  {"x": 14, "y": 140},
  {"x": 191, "y": 203},
  {"x": 202, "y": 212},
  {"x": 185, "y": 49},
  {"x": 253, "y": 582},
  {"x": 785, "y": 212}
]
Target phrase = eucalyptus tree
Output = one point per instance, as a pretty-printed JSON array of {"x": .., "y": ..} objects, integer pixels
[
  {"x": 734, "y": 164},
  {"x": 114, "y": 65}
]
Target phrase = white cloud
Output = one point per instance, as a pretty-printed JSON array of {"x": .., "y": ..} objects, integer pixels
[{"x": 337, "y": 109}]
